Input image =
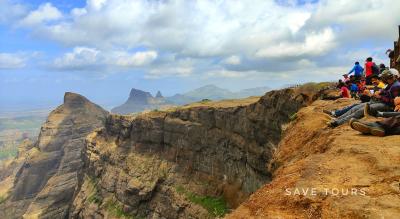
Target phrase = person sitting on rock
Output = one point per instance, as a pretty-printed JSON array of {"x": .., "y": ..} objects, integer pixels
[
  {"x": 395, "y": 72},
  {"x": 361, "y": 85},
  {"x": 383, "y": 101},
  {"x": 353, "y": 89},
  {"x": 388, "y": 126},
  {"x": 344, "y": 90},
  {"x": 382, "y": 67},
  {"x": 377, "y": 83},
  {"x": 389, "y": 114}
]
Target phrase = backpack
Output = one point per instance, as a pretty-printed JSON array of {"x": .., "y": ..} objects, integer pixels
[{"x": 375, "y": 69}]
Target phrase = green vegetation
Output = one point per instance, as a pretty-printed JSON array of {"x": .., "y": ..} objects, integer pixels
[
  {"x": 94, "y": 196},
  {"x": 8, "y": 152},
  {"x": 14, "y": 130},
  {"x": 25, "y": 123},
  {"x": 2, "y": 199},
  {"x": 216, "y": 206},
  {"x": 293, "y": 117},
  {"x": 312, "y": 87},
  {"x": 116, "y": 209}
]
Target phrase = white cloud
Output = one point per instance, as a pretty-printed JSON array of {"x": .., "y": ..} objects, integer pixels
[
  {"x": 85, "y": 58},
  {"x": 136, "y": 59},
  {"x": 358, "y": 19},
  {"x": 10, "y": 12},
  {"x": 11, "y": 61},
  {"x": 171, "y": 68},
  {"x": 209, "y": 28},
  {"x": 96, "y": 4},
  {"x": 76, "y": 12},
  {"x": 232, "y": 60},
  {"x": 314, "y": 44},
  {"x": 225, "y": 38},
  {"x": 157, "y": 73},
  {"x": 79, "y": 58},
  {"x": 46, "y": 12}
]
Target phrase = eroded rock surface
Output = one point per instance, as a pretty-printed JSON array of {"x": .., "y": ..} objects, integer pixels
[
  {"x": 329, "y": 173},
  {"x": 49, "y": 171},
  {"x": 89, "y": 164},
  {"x": 140, "y": 161}
]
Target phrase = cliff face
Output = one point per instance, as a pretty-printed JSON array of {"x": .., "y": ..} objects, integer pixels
[
  {"x": 320, "y": 172},
  {"x": 88, "y": 164},
  {"x": 47, "y": 173},
  {"x": 138, "y": 162}
]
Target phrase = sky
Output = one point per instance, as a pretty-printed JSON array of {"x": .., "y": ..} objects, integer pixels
[{"x": 103, "y": 48}]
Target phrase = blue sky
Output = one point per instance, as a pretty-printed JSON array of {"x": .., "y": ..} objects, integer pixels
[{"x": 103, "y": 48}]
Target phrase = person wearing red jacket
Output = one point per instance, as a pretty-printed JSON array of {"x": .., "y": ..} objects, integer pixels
[{"x": 369, "y": 70}]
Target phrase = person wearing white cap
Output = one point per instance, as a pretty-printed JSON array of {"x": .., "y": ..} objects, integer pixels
[{"x": 395, "y": 73}]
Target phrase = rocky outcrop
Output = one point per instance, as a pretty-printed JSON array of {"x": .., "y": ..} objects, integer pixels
[
  {"x": 138, "y": 162},
  {"x": 159, "y": 95},
  {"x": 48, "y": 172},
  {"x": 139, "y": 101},
  {"x": 320, "y": 172},
  {"x": 160, "y": 164}
]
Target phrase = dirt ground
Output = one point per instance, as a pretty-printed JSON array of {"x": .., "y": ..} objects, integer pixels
[{"x": 329, "y": 173}]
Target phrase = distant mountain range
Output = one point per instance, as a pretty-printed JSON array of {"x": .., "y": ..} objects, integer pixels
[{"x": 141, "y": 100}]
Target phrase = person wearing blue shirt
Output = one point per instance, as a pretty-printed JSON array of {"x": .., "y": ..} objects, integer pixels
[
  {"x": 358, "y": 70},
  {"x": 353, "y": 90}
]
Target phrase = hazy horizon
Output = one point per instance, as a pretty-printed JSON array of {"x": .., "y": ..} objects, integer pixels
[{"x": 103, "y": 48}]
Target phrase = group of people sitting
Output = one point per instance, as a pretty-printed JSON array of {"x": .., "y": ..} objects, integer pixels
[{"x": 378, "y": 89}]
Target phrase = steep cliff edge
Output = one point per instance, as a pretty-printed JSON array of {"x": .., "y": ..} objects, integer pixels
[
  {"x": 181, "y": 163},
  {"x": 328, "y": 173},
  {"x": 146, "y": 165},
  {"x": 41, "y": 182}
]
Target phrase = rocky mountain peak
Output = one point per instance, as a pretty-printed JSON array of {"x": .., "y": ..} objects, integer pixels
[
  {"x": 159, "y": 95},
  {"x": 74, "y": 100},
  {"x": 51, "y": 164},
  {"x": 139, "y": 96}
]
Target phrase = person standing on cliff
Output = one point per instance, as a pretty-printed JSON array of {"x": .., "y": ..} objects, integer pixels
[
  {"x": 358, "y": 71},
  {"x": 370, "y": 69}
]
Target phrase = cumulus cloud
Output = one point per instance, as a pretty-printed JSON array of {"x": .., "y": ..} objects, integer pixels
[
  {"x": 220, "y": 38},
  {"x": 232, "y": 60},
  {"x": 79, "y": 59},
  {"x": 46, "y": 12},
  {"x": 173, "y": 67},
  {"x": 86, "y": 59},
  {"x": 136, "y": 59},
  {"x": 314, "y": 44},
  {"x": 358, "y": 19},
  {"x": 11, "y": 61},
  {"x": 10, "y": 12}
]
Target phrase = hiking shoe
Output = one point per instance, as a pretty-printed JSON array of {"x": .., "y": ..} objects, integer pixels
[
  {"x": 361, "y": 127},
  {"x": 351, "y": 122},
  {"x": 370, "y": 128},
  {"x": 377, "y": 131}
]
